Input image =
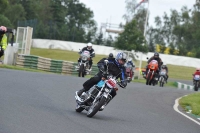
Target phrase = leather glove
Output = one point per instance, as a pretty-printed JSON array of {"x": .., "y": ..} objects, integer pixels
[{"x": 105, "y": 74}]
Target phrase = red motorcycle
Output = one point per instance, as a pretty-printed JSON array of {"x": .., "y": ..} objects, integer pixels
[
  {"x": 129, "y": 72},
  {"x": 151, "y": 74}
]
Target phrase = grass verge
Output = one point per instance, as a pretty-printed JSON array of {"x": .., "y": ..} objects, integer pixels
[
  {"x": 193, "y": 101},
  {"x": 175, "y": 72},
  {"x": 58, "y": 54}
]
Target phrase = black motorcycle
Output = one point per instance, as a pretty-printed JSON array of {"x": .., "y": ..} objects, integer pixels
[
  {"x": 83, "y": 64},
  {"x": 163, "y": 77},
  {"x": 97, "y": 97}
]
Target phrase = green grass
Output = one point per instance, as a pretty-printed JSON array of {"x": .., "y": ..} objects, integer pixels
[
  {"x": 193, "y": 101},
  {"x": 61, "y": 54},
  {"x": 175, "y": 72}
]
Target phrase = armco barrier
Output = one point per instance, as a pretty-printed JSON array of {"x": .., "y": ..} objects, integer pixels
[
  {"x": 55, "y": 66},
  {"x": 49, "y": 65}
]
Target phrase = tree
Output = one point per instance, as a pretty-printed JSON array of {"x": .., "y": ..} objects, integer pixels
[
  {"x": 130, "y": 10},
  {"x": 3, "y": 5},
  {"x": 109, "y": 41},
  {"x": 5, "y": 21},
  {"x": 14, "y": 16},
  {"x": 99, "y": 39},
  {"x": 131, "y": 39},
  {"x": 150, "y": 39}
]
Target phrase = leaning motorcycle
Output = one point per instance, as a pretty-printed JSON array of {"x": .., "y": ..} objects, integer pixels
[
  {"x": 151, "y": 77},
  {"x": 196, "y": 81},
  {"x": 99, "y": 95},
  {"x": 83, "y": 65},
  {"x": 163, "y": 76}
]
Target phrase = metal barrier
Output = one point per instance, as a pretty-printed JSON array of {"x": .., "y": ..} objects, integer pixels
[
  {"x": 49, "y": 65},
  {"x": 54, "y": 66}
]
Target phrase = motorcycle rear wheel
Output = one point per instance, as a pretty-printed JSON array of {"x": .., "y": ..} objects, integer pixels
[{"x": 196, "y": 87}]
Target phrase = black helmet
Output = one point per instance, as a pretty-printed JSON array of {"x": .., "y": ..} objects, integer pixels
[
  {"x": 156, "y": 55},
  {"x": 111, "y": 55}
]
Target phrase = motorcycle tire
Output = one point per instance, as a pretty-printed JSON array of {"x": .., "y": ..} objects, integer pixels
[
  {"x": 148, "y": 80},
  {"x": 196, "y": 87},
  {"x": 81, "y": 72},
  {"x": 161, "y": 81},
  {"x": 95, "y": 108}
]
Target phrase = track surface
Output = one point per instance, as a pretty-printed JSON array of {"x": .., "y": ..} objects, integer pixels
[{"x": 44, "y": 103}]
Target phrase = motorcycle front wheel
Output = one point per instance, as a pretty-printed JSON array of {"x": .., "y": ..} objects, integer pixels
[
  {"x": 148, "y": 80},
  {"x": 81, "y": 72},
  {"x": 95, "y": 108},
  {"x": 196, "y": 87},
  {"x": 161, "y": 81}
]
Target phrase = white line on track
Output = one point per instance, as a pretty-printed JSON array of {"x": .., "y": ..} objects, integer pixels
[{"x": 176, "y": 109}]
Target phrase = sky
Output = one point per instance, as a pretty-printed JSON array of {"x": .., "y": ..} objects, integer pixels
[{"x": 111, "y": 11}]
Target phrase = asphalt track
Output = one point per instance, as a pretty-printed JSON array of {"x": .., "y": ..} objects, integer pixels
[{"x": 44, "y": 103}]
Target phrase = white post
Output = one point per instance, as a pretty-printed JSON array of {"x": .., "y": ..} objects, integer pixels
[
  {"x": 145, "y": 26},
  {"x": 140, "y": 65}
]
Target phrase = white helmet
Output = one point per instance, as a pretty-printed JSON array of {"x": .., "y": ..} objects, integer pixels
[{"x": 89, "y": 46}]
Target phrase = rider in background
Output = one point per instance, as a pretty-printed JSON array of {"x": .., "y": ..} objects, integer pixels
[
  {"x": 158, "y": 59},
  {"x": 3, "y": 40},
  {"x": 110, "y": 56},
  {"x": 92, "y": 54},
  {"x": 197, "y": 72},
  {"x": 130, "y": 62},
  {"x": 164, "y": 66}
]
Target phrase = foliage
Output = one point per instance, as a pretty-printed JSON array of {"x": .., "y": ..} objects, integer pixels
[
  {"x": 68, "y": 20},
  {"x": 180, "y": 31},
  {"x": 131, "y": 39},
  {"x": 5, "y": 21}
]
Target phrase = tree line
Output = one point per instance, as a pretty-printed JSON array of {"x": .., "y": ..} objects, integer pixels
[
  {"x": 68, "y": 20},
  {"x": 71, "y": 20},
  {"x": 178, "y": 31}
]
